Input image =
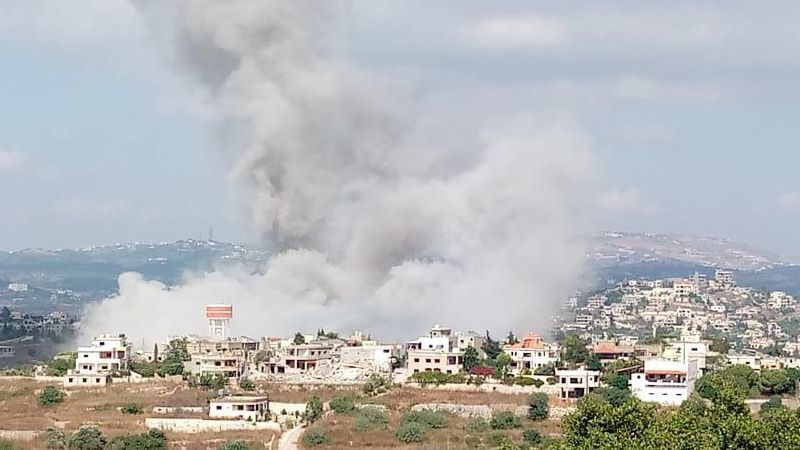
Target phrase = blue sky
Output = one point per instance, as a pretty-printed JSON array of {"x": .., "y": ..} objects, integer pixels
[{"x": 691, "y": 108}]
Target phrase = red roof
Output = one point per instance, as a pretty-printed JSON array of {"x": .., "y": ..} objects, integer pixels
[{"x": 483, "y": 371}]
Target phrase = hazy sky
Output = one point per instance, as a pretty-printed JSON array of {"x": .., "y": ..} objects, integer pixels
[{"x": 692, "y": 110}]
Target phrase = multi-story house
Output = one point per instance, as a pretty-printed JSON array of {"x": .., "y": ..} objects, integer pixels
[
  {"x": 531, "y": 353},
  {"x": 95, "y": 364},
  {"x": 575, "y": 384},
  {"x": 437, "y": 352},
  {"x": 665, "y": 382}
]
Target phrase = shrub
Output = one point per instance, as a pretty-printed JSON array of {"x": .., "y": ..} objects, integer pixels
[
  {"x": 551, "y": 380},
  {"x": 313, "y": 409},
  {"x": 51, "y": 395},
  {"x": 152, "y": 440},
  {"x": 87, "y": 437},
  {"x": 316, "y": 436},
  {"x": 410, "y": 432},
  {"x": 531, "y": 437},
  {"x": 477, "y": 425},
  {"x": 247, "y": 384},
  {"x": 7, "y": 445},
  {"x": 343, "y": 405},
  {"x": 773, "y": 404},
  {"x": 427, "y": 418},
  {"x": 374, "y": 383},
  {"x": 426, "y": 378},
  {"x": 538, "y": 383},
  {"x": 505, "y": 420},
  {"x": 497, "y": 438},
  {"x": 234, "y": 445},
  {"x": 537, "y": 406},
  {"x": 131, "y": 408},
  {"x": 370, "y": 418},
  {"x": 524, "y": 381},
  {"x": 55, "y": 439}
]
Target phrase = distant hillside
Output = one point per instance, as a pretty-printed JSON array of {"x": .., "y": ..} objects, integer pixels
[
  {"x": 619, "y": 248},
  {"x": 71, "y": 277}
]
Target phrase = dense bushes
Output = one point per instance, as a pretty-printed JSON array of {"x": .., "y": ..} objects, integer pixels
[
  {"x": 505, "y": 420},
  {"x": 87, "y": 437},
  {"x": 477, "y": 425},
  {"x": 725, "y": 423},
  {"x": 152, "y": 440},
  {"x": 316, "y": 436},
  {"x": 131, "y": 408},
  {"x": 343, "y": 404},
  {"x": 313, "y": 409},
  {"x": 427, "y": 418},
  {"x": 247, "y": 384},
  {"x": 369, "y": 418},
  {"x": 531, "y": 437},
  {"x": 234, "y": 445},
  {"x": 411, "y": 432},
  {"x": 51, "y": 395},
  {"x": 537, "y": 406}
]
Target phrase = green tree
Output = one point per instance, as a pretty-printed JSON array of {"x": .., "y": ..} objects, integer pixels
[
  {"x": 316, "y": 436},
  {"x": 531, "y": 437},
  {"x": 313, "y": 410},
  {"x": 55, "y": 439},
  {"x": 614, "y": 395},
  {"x": 491, "y": 347},
  {"x": 511, "y": 339},
  {"x": 87, "y": 437},
  {"x": 471, "y": 359},
  {"x": 505, "y": 420},
  {"x": 131, "y": 408},
  {"x": 51, "y": 395},
  {"x": 299, "y": 339},
  {"x": 573, "y": 350},
  {"x": 152, "y": 440},
  {"x": 773, "y": 404},
  {"x": 247, "y": 384},
  {"x": 501, "y": 363},
  {"x": 410, "y": 432},
  {"x": 772, "y": 382},
  {"x": 593, "y": 361},
  {"x": 618, "y": 381},
  {"x": 343, "y": 404},
  {"x": 538, "y": 408},
  {"x": 60, "y": 365}
]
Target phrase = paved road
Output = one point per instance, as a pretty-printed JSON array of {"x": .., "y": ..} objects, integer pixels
[{"x": 289, "y": 439}]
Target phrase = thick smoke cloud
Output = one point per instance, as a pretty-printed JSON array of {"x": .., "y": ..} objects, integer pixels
[{"x": 373, "y": 221}]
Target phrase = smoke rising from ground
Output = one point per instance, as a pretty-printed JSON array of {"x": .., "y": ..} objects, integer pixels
[{"x": 374, "y": 223}]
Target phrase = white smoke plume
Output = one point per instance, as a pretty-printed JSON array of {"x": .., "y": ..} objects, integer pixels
[{"x": 373, "y": 224}]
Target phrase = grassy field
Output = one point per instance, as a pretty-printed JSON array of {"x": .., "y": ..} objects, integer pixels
[{"x": 19, "y": 410}]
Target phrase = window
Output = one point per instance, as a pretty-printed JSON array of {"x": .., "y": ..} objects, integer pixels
[
  {"x": 574, "y": 380},
  {"x": 416, "y": 360},
  {"x": 84, "y": 380},
  {"x": 427, "y": 360},
  {"x": 219, "y": 407},
  {"x": 97, "y": 380},
  {"x": 70, "y": 380},
  {"x": 436, "y": 360}
]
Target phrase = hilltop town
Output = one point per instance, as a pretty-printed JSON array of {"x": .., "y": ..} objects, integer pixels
[{"x": 662, "y": 342}]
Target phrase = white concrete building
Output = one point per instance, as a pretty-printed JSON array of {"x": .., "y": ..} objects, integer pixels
[
  {"x": 94, "y": 365},
  {"x": 531, "y": 353},
  {"x": 665, "y": 382},
  {"x": 575, "y": 384},
  {"x": 253, "y": 409},
  {"x": 376, "y": 357}
]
